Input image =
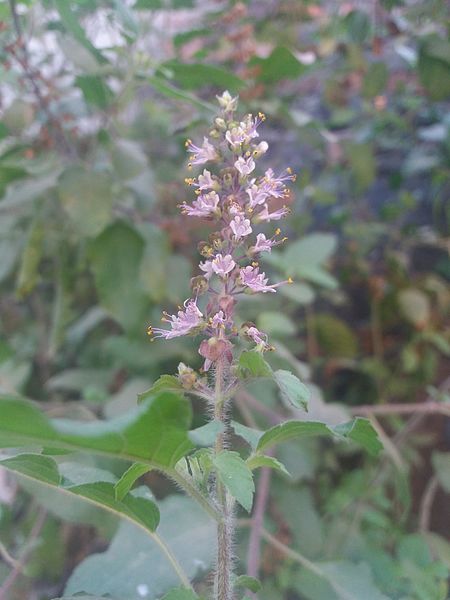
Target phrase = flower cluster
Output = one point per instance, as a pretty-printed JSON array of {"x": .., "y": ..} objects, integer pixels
[{"x": 236, "y": 200}]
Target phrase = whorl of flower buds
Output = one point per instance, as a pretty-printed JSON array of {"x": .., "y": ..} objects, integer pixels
[{"x": 231, "y": 195}]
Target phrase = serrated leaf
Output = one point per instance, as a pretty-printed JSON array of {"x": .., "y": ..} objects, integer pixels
[
  {"x": 362, "y": 432},
  {"x": 249, "y": 583},
  {"x": 129, "y": 478},
  {"x": 358, "y": 430},
  {"x": 252, "y": 363},
  {"x": 155, "y": 433},
  {"x": 141, "y": 511},
  {"x": 235, "y": 476},
  {"x": 292, "y": 389},
  {"x": 257, "y": 461}
]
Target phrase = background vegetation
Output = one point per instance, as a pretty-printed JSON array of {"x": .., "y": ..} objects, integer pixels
[{"x": 98, "y": 97}]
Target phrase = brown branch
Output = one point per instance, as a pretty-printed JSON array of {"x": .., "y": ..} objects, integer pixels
[
  {"x": 426, "y": 504},
  {"x": 425, "y": 408},
  {"x": 254, "y": 545},
  {"x": 55, "y": 126}
]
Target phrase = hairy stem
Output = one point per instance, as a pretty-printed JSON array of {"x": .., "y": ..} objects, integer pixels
[{"x": 223, "y": 584}]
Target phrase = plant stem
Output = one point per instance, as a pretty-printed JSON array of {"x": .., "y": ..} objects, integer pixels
[{"x": 223, "y": 584}]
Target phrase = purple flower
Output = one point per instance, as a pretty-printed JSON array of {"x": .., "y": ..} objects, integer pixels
[
  {"x": 203, "y": 206},
  {"x": 240, "y": 227},
  {"x": 256, "y": 195},
  {"x": 236, "y": 136},
  {"x": 262, "y": 244},
  {"x": 276, "y": 215},
  {"x": 245, "y": 165},
  {"x": 207, "y": 268},
  {"x": 201, "y": 154},
  {"x": 256, "y": 281},
  {"x": 205, "y": 181},
  {"x": 259, "y": 337},
  {"x": 180, "y": 324},
  {"x": 222, "y": 265},
  {"x": 218, "y": 320},
  {"x": 275, "y": 186}
]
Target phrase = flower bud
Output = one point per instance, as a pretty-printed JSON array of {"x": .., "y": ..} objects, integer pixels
[
  {"x": 199, "y": 285},
  {"x": 205, "y": 249},
  {"x": 186, "y": 376}
]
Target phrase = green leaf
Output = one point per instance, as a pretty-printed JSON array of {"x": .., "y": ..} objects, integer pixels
[
  {"x": 181, "y": 594},
  {"x": 129, "y": 478},
  {"x": 251, "y": 436},
  {"x": 339, "y": 580},
  {"x": 116, "y": 255},
  {"x": 361, "y": 431},
  {"x": 249, "y": 583},
  {"x": 358, "y": 430},
  {"x": 28, "y": 190},
  {"x": 168, "y": 90},
  {"x": 207, "y": 434},
  {"x": 290, "y": 430},
  {"x": 293, "y": 391},
  {"x": 434, "y": 66},
  {"x": 298, "y": 292},
  {"x": 192, "y": 76},
  {"x": 362, "y": 164},
  {"x": 276, "y": 323},
  {"x": 166, "y": 383},
  {"x": 44, "y": 469},
  {"x": 415, "y": 307},
  {"x": 72, "y": 25},
  {"x": 95, "y": 90},
  {"x": 86, "y": 198},
  {"x": 358, "y": 26},
  {"x": 315, "y": 248},
  {"x": 128, "y": 159},
  {"x": 280, "y": 64},
  {"x": 236, "y": 476},
  {"x": 257, "y": 461},
  {"x": 375, "y": 80},
  {"x": 252, "y": 364},
  {"x": 184, "y": 528},
  {"x": 155, "y": 433}
]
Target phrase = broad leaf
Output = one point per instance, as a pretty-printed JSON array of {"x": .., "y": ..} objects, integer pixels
[
  {"x": 138, "y": 510},
  {"x": 129, "y": 478},
  {"x": 292, "y": 389},
  {"x": 252, "y": 363},
  {"x": 236, "y": 477},
  {"x": 116, "y": 254},
  {"x": 164, "y": 383},
  {"x": 358, "y": 430},
  {"x": 86, "y": 196},
  {"x": 184, "y": 528},
  {"x": 155, "y": 433},
  {"x": 257, "y": 461},
  {"x": 251, "y": 436}
]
